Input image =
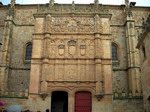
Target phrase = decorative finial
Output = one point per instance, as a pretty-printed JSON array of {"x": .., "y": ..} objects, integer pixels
[
  {"x": 96, "y": 2},
  {"x": 73, "y": 5},
  {"x": 51, "y": 2},
  {"x": 12, "y": 3},
  {"x": 127, "y": 3}
]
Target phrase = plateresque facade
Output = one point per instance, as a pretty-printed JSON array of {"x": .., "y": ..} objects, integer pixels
[{"x": 84, "y": 57}]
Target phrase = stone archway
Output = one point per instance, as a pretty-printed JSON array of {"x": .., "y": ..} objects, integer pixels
[{"x": 59, "y": 102}]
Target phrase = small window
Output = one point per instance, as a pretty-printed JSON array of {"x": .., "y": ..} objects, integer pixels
[
  {"x": 28, "y": 51},
  {"x": 114, "y": 52}
]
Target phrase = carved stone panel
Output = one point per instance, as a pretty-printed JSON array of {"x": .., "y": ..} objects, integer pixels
[
  {"x": 70, "y": 24},
  {"x": 82, "y": 72},
  {"x": 51, "y": 72},
  {"x": 69, "y": 47},
  {"x": 71, "y": 72},
  {"x": 59, "y": 72}
]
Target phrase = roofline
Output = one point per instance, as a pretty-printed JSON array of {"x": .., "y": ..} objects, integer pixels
[{"x": 111, "y": 5}]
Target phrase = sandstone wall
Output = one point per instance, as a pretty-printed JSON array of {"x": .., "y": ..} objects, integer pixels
[{"x": 23, "y": 29}]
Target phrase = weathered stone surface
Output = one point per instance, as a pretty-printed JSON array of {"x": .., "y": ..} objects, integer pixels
[
  {"x": 143, "y": 46},
  {"x": 71, "y": 52}
]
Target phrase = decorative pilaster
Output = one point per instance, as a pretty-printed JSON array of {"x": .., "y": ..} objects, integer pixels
[
  {"x": 98, "y": 64},
  {"x": 36, "y": 69},
  {"x": 45, "y": 63},
  {"x": 103, "y": 56},
  {"x": 133, "y": 54},
  {"x": 98, "y": 68}
]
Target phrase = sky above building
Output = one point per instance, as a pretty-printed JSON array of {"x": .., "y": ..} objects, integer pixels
[{"x": 114, "y": 2}]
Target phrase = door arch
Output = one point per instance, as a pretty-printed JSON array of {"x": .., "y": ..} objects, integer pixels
[
  {"x": 59, "y": 102},
  {"x": 83, "y": 101}
]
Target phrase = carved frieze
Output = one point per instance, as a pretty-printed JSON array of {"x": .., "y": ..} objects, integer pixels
[
  {"x": 70, "y": 24},
  {"x": 73, "y": 8}
]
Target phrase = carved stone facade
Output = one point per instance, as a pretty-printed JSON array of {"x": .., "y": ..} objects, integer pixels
[{"x": 71, "y": 53}]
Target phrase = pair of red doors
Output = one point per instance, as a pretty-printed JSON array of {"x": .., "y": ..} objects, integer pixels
[{"x": 83, "y": 102}]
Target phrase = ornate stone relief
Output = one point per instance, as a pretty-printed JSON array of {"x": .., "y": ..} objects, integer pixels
[
  {"x": 52, "y": 48},
  {"x": 71, "y": 48},
  {"x": 72, "y": 8},
  {"x": 71, "y": 72},
  {"x": 70, "y": 24},
  {"x": 67, "y": 58}
]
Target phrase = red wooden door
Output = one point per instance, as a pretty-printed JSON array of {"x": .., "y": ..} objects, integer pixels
[{"x": 83, "y": 102}]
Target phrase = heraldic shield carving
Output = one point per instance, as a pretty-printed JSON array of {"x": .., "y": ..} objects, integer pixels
[
  {"x": 61, "y": 49},
  {"x": 72, "y": 47}
]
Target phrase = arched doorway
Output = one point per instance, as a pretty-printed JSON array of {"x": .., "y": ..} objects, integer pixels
[
  {"x": 59, "y": 101},
  {"x": 83, "y": 102}
]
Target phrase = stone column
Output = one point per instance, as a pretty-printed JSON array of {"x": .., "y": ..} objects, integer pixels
[
  {"x": 133, "y": 57},
  {"x": 97, "y": 41},
  {"x": 98, "y": 65}
]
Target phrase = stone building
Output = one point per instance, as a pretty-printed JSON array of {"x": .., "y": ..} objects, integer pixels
[
  {"x": 71, "y": 57},
  {"x": 144, "y": 47}
]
